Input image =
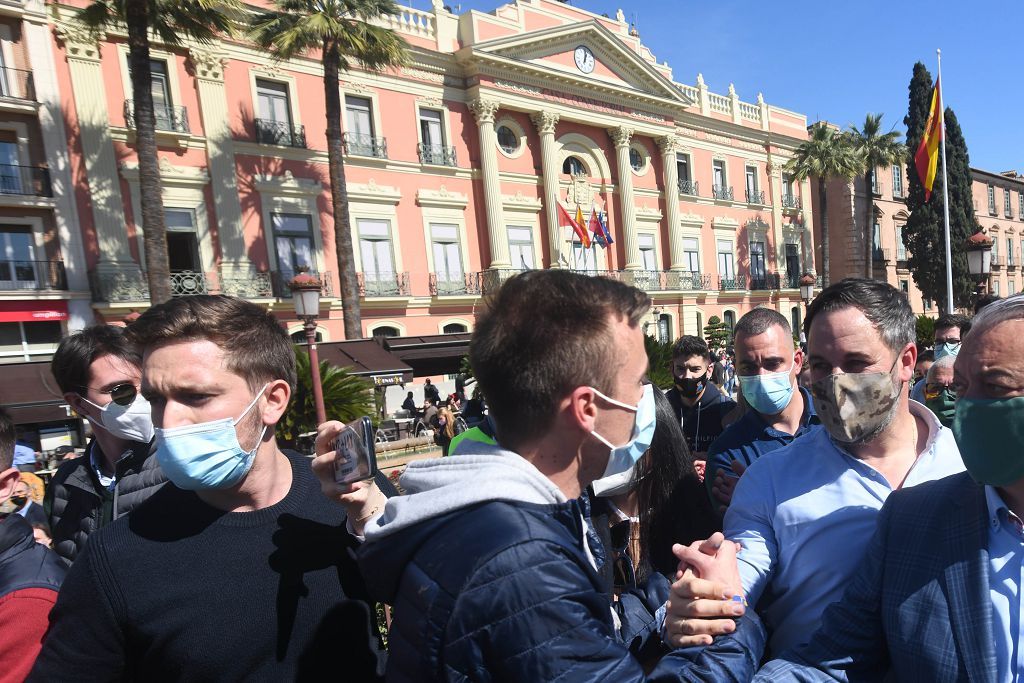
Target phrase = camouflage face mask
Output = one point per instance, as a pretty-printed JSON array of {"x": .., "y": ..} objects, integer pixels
[{"x": 856, "y": 407}]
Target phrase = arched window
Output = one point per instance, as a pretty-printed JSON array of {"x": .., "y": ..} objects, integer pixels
[
  {"x": 573, "y": 166},
  {"x": 386, "y": 331},
  {"x": 300, "y": 337},
  {"x": 454, "y": 328}
]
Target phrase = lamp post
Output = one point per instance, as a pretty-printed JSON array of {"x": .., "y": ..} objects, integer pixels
[
  {"x": 979, "y": 259},
  {"x": 306, "y": 298},
  {"x": 807, "y": 282}
]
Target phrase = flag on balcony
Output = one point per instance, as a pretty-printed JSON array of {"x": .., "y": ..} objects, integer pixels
[
  {"x": 567, "y": 221},
  {"x": 927, "y": 157},
  {"x": 597, "y": 224}
]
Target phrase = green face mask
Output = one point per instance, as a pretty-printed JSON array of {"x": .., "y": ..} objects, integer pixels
[
  {"x": 944, "y": 406},
  {"x": 990, "y": 434}
]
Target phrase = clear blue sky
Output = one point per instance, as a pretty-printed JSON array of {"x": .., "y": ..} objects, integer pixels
[{"x": 840, "y": 60}]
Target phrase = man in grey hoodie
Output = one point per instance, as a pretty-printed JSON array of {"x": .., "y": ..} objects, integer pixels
[{"x": 487, "y": 561}]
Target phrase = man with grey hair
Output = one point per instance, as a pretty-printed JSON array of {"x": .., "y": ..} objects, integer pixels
[
  {"x": 804, "y": 514},
  {"x": 937, "y": 597},
  {"x": 767, "y": 364},
  {"x": 940, "y": 390}
]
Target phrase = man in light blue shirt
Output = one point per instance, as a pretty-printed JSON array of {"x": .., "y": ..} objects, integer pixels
[{"x": 804, "y": 514}]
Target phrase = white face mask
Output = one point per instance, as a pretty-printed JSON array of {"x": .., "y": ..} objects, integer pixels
[{"x": 132, "y": 422}]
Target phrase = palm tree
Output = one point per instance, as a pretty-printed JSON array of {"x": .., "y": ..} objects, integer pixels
[
  {"x": 825, "y": 155},
  {"x": 340, "y": 30},
  {"x": 346, "y": 397},
  {"x": 875, "y": 149},
  {"x": 169, "y": 21}
]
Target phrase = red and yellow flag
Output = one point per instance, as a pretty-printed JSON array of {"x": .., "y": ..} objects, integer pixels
[
  {"x": 927, "y": 157},
  {"x": 567, "y": 221}
]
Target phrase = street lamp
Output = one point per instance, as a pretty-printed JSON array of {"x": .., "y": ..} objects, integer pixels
[
  {"x": 979, "y": 259},
  {"x": 306, "y": 298},
  {"x": 807, "y": 282}
]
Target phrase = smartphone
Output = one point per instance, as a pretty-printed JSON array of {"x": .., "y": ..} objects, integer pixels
[{"x": 356, "y": 458}]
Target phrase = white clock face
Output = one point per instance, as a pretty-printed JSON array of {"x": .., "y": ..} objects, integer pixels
[{"x": 584, "y": 59}]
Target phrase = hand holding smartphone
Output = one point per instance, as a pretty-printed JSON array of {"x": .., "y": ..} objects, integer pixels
[{"x": 355, "y": 453}]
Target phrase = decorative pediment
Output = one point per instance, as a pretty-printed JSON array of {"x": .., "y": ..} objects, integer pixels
[
  {"x": 551, "y": 52},
  {"x": 442, "y": 198}
]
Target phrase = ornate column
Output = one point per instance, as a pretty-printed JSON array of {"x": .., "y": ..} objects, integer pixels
[
  {"x": 621, "y": 137},
  {"x": 97, "y": 147},
  {"x": 484, "y": 111},
  {"x": 208, "y": 65},
  {"x": 775, "y": 197},
  {"x": 668, "y": 146},
  {"x": 545, "y": 122}
]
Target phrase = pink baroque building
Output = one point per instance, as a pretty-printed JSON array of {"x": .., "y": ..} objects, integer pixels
[{"x": 455, "y": 165}]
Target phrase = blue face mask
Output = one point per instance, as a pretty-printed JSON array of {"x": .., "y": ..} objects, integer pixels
[
  {"x": 943, "y": 350},
  {"x": 768, "y": 394},
  {"x": 206, "y": 455},
  {"x": 619, "y": 471}
]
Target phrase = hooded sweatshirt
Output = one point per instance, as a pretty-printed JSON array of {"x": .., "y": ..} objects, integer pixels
[
  {"x": 490, "y": 575},
  {"x": 702, "y": 422}
]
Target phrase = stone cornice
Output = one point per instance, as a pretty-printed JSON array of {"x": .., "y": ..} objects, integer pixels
[
  {"x": 169, "y": 173},
  {"x": 289, "y": 185},
  {"x": 442, "y": 198},
  {"x": 519, "y": 202},
  {"x": 373, "y": 193}
]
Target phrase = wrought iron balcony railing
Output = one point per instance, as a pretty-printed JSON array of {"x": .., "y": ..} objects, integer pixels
[
  {"x": 383, "y": 284},
  {"x": 168, "y": 118},
  {"x": 720, "y": 192},
  {"x": 32, "y": 275},
  {"x": 767, "y": 281},
  {"x": 269, "y": 132},
  {"x": 454, "y": 284},
  {"x": 901, "y": 253},
  {"x": 492, "y": 279},
  {"x": 689, "y": 187},
  {"x": 731, "y": 283},
  {"x": 17, "y": 84},
  {"x": 280, "y": 278},
  {"x": 25, "y": 180},
  {"x": 358, "y": 145},
  {"x": 668, "y": 280},
  {"x": 755, "y": 197},
  {"x": 792, "y": 280},
  {"x": 130, "y": 284},
  {"x": 791, "y": 201},
  {"x": 439, "y": 155}
]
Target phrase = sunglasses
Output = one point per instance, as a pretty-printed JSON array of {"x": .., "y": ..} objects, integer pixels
[{"x": 121, "y": 394}]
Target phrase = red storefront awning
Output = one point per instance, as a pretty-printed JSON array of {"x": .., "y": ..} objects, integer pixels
[{"x": 32, "y": 311}]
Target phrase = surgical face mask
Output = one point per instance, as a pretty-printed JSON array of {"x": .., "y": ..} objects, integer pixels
[
  {"x": 690, "y": 387},
  {"x": 133, "y": 422},
  {"x": 942, "y": 350},
  {"x": 619, "y": 470},
  {"x": 206, "y": 455},
  {"x": 768, "y": 394},
  {"x": 856, "y": 407},
  {"x": 990, "y": 434},
  {"x": 943, "y": 405}
]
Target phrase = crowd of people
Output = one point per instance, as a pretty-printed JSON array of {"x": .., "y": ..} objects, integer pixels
[{"x": 855, "y": 514}]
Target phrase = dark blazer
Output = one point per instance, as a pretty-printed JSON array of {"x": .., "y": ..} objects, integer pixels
[{"x": 919, "y": 608}]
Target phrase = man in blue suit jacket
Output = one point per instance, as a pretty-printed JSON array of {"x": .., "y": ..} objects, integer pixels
[{"x": 938, "y": 595}]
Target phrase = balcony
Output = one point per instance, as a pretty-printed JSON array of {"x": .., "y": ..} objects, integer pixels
[
  {"x": 755, "y": 197},
  {"x": 279, "y": 280},
  {"x": 997, "y": 261},
  {"x": 130, "y": 284},
  {"x": 169, "y": 119},
  {"x": 901, "y": 257},
  {"x": 882, "y": 255},
  {"x": 728, "y": 284},
  {"x": 383, "y": 284},
  {"x": 689, "y": 188},
  {"x": 358, "y": 145},
  {"x": 17, "y": 84},
  {"x": 454, "y": 284},
  {"x": 283, "y": 133},
  {"x": 792, "y": 280},
  {"x": 897, "y": 192},
  {"x": 992, "y": 208},
  {"x": 762, "y": 282},
  {"x": 32, "y": 275},
  {"x": 720, "y": 192},
  {"x": 791, "y": 201},
  {"x": 438, "y": 155},
  {"x": 668, "y": 280},
  {"x": 1011, "y": 264},
  {"x": 32, "y": 181},
  {"x": 876, "y": 188}
]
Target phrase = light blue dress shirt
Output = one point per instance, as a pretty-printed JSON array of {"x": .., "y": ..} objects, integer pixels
[
  {"x": 1005, "y": 578},
  {"x": 804, "y": 515}
]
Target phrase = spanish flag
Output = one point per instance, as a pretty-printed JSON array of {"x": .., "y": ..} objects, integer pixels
[
  {"x": 565, "y": 220},
  {"x": 927, "y": 157}
]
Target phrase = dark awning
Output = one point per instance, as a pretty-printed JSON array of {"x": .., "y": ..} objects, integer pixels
[
  {"x": 438, "y": 354},
  {"x": 30, "y": 393},
  {"x": 366, "y": 358}
]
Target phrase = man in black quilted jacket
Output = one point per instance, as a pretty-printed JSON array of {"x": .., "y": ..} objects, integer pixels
[
  {"x": 99, "y": 373},
  {"x": 487, "y": 562}
]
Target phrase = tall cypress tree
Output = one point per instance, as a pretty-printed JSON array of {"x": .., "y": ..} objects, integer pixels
[{"x": 924, "y": 233}]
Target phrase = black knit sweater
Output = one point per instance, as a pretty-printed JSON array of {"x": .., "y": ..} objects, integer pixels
[{"x": 181, "y": 591}]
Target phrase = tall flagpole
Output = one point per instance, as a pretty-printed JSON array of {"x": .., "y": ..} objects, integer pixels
[{"x": 945, "y": 192}]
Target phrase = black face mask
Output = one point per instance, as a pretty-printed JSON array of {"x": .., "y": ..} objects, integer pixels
[
  {"x": 689, "y": 387},
  {"x": 19, "y": 501}
]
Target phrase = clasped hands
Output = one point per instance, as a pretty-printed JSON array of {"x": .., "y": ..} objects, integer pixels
[{"x": 707, "y": 595}]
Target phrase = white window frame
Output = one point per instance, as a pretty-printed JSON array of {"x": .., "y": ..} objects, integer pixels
[
  {"x": 653, "y": 237},
  {"x": 283, "y": 79},
  {"x": 25, "y": 354}
]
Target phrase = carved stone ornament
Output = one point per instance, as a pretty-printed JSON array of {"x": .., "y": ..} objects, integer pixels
[
  {"x": 580, "y": 192},
  {"x": 79, "y": 41},
  {"x": 209, "y": 64},
  {"x": 484, "y": 110},
  {"x": 668, "y": 144},
  {"x": 545, "y": 121},
  {"x": 621, "y": 136}
]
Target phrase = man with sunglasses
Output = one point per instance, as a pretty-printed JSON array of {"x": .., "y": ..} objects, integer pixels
[{"x": 99, "y": 372}]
